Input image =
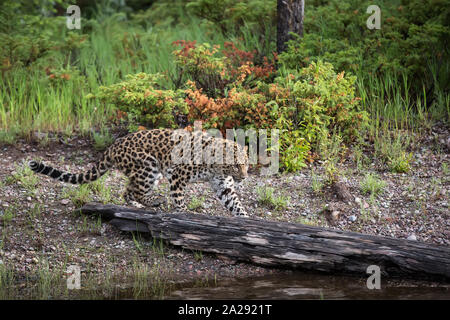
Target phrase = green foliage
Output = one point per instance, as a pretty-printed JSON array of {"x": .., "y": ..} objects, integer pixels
[
  {"x": 102, "y": 139},
  {"x": 372, "y": 184},
  {"x": 231, "y": 15},
  {"x": 294, "y": 148},
  {"x": 316, "y": 97},
  {"x": 25, "y": 35},
  {"x": 79, "y": 195},
  {"x": 141, "y": 100},
  {"x": 24, "y": 177},
  {"x": 413, "y": 35},
  {"x": 266, "y": 197},
  {"x": 331, "y": 149},
  {"x": 309, "y": 103},
  {"x": 196, "y": 203},
  {"x": 400, "y": 163},
  {"x": 391, "y": 149}
]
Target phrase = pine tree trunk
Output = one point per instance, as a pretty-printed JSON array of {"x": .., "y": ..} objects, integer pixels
[{"x": 290, "y": 19}]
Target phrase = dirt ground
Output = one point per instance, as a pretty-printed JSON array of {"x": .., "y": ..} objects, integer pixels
[{"x": 37, "y": 220}]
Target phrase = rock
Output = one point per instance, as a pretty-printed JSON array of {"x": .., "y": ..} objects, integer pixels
[
  {"x": 335, "y": 215},
  {"x": 358, "y": 200},
  {"x": 269, "y": 213},
  {"x": 65, "y": 201},
  {"x": 412, "y": 237},
  {"x": 352, "y": 218}
]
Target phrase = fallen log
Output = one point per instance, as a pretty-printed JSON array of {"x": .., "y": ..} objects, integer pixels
[{"x": 282, "y": 244}]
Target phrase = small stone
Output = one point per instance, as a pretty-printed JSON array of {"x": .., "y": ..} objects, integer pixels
[
  {"x": 412, "y": 237},
  {"x": 352, "y": 218},
  {"x": 65, "y": 201},
  {"x": 269, "y": 213},
  {"x": 357, "y": 200}
]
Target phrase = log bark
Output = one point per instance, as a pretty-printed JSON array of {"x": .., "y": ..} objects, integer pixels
[
  {"x": 282, "y": 244},
  {"x": 289, "y": 19}
]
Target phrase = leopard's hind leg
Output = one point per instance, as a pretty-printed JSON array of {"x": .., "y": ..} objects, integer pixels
[{"x": 142, "y": 181}]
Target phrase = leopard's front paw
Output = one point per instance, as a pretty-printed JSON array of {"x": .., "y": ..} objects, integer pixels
[{"x": 136, "y": 204}]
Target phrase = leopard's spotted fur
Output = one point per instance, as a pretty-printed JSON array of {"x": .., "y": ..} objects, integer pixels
[{"x": 146, "y": 156}]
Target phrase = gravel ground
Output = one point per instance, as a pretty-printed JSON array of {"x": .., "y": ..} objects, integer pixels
[{"x": 37, "y": 222}]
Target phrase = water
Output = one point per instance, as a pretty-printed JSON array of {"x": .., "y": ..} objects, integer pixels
[{"x": 308, "y": 286}]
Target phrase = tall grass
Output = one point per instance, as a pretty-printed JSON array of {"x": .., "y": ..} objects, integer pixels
[
  {"x": 30, "y": 101},
  {"x": 390, "y": 106},
  {"x": 117, "y": 46}
]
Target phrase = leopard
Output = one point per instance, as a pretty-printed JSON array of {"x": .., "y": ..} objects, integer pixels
[{"x": 147, "y": 156}]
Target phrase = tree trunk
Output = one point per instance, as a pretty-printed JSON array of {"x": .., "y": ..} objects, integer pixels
[
  {"x": 290, "y": 19},
  {"x": 283, "y": 244}
]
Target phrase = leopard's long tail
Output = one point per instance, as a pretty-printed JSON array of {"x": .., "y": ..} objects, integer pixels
[{"x": 99, "y": 169}]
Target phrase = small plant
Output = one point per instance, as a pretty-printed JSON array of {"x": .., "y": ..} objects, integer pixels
[
  {"x": 34, "y": 213},
  {"x": 266, "y": 197},
  {"x": 310, "y": 221},
  {"x": 372, "y": 184},
  {"x": 198, "y": 255},
  {"x": 317, "y": 183},
  {"x": 7, "y": 279},
  {"x": 44, "y": 140},
  {"x": 90, "y": 226},
  {"x": 79, "y": 195},
  {"x": 8, "y": 215},
  {"x": 158, "y": 246},
  {"x": 445, "y": 169},
  {"x": 400, "y": 163},
  {"x": 330, "y": 149},
  {"x": 391, "y": 148},
  {"x": 137, "y": 243},
  {"x": 7, "y": 137},
  {"x": 102, "y": 139},
  {"x": 100, "y": 189},
  {"x": 196, "y": 203},
  {"x": 25, "y": 177}
]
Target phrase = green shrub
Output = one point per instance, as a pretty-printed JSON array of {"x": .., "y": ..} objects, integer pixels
[
  {"x": 400, "y": 163},
  {"x": 413, "y": 36},
  {"x": 231, "y": 15},
  {"x": 316, "y": 98},
  {"x": 372, "y": 184},
  {"x": 143, "y": 103},
  {"x": 266, "y": 197}
]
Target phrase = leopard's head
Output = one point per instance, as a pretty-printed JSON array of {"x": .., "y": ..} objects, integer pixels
[{"x": 239, "y": 170}]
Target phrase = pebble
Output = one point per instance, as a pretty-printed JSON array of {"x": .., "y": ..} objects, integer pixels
[
  {"x": 412, "y": 237},
  {"x": 352, "y": 218}
]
